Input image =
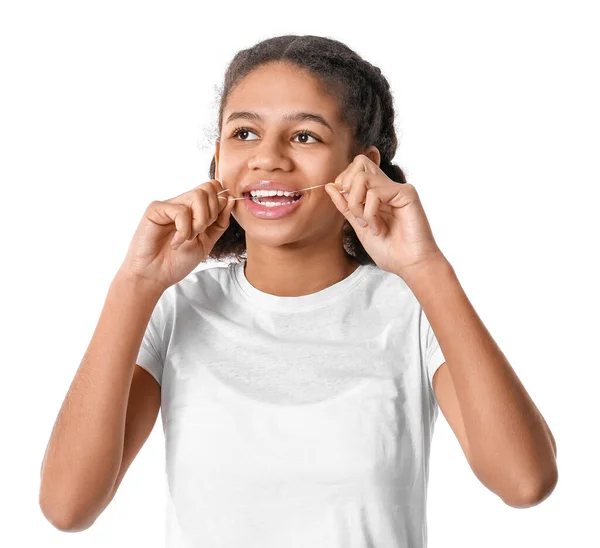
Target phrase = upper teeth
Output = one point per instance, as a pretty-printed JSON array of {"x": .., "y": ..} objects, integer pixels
[{"x": 259, "y": 193}]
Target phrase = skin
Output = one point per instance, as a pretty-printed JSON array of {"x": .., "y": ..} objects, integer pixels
[{"x": 301, "y": 253}]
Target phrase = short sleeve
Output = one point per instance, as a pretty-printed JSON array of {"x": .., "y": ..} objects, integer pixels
[
  {"x": 151, "y": 355},
  {"x": 433, "y": 355}
]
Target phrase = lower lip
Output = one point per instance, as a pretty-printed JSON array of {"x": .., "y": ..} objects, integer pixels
[{"x": 276, "y": 212}]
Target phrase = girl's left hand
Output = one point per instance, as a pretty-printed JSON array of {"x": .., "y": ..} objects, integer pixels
[{"x": 397, "y": 234}]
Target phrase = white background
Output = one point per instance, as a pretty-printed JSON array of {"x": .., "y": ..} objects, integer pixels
[{"x": 107, "y": 106}]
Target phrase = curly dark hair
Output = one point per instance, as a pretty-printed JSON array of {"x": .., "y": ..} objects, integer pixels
[{"x": 366, "y": 106}]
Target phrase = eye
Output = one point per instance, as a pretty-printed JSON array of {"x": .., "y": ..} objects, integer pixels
[
  {"x": 309, "y": 134},
  {"x": 240, "y": 130}
]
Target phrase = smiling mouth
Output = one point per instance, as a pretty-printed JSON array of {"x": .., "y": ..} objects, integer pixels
[{"x": 273, "y": 201}]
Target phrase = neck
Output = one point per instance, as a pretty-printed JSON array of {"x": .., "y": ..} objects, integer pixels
[{"x": 294, "y": 275}]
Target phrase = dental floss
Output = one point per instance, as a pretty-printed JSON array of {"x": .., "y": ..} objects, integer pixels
[{"x": 302, "y": 189}]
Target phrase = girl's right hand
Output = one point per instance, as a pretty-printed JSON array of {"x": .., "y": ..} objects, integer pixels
[{"x": 194, "y": 221}]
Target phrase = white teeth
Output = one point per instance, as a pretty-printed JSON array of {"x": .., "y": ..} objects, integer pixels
[
  {"x": 271, "y": 204},
  {"x": 262, "y": 193}
]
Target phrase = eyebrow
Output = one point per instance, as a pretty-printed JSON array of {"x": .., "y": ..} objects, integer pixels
[{"x": 291, "y": 117}]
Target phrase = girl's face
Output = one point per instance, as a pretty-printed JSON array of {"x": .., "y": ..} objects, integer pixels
[{"x": 300, "y": 152}]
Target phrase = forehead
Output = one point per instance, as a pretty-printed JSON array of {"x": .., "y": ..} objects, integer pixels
[{"x": 279, "y": 88}]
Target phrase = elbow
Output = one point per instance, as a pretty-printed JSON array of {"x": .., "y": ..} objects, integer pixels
[
  {"x": 62, "y": 519},
  {"x": 535, "y": 494},
  {"x": 63, "y": 525},
  {"x": 65, "y": 522}
]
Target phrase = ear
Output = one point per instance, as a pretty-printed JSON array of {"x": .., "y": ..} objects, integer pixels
[
  {"x": 372, "y": 153},
  {"x": 217, "y": 150}
]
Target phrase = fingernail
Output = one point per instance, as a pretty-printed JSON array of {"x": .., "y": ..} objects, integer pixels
[
  {"x": 361, "y": 221},
  {"x": 373, "y": 230}
]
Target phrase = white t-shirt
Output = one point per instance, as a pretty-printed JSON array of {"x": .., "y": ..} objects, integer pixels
[{"x": 294, "y": 422}]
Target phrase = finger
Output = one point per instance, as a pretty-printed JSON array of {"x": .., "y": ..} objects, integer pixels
[
  {"x": 358, "y": 195},
  {"x": 224, "y": 200},
  {"x": 342, "y": 206},
  {"x": 214, "y": 205},
  {"x": 341, "y": 181},
  {"x": 226, "y": 211},
  {"x": 214, "y": 231},
  {"x": 361, "y": 163},
  {"x": 220, "y": 192},
  {"x": 181, "y": 215},
  {"x": 201, "y": 217},
  {"x": 372, "y": 203},
  {"x": 210, "y": 206}
]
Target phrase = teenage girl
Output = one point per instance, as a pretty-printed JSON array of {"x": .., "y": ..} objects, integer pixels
[{"x": 299, "y": 385}]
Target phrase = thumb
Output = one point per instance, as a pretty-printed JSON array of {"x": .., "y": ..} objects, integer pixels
[
  {"x": 222, "y": 221},
  {"x": 342, "y": 205},
  {"x": 226, "y": 211}
]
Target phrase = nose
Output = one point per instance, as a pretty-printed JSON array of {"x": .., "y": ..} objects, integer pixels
[{"x": 269, "y": 155}]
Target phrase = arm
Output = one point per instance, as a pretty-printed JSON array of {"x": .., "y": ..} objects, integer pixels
[
  {"x": 512, "y": 450},
  {"x": 84, "y": 454}
]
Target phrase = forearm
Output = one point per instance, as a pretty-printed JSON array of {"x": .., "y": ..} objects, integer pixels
[
  {"x": 83, "y": 456},
  {"x": 510, "y": 443}
]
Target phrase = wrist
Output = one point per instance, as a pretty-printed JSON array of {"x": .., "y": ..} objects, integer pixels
[
  {"x": 425, "y": 270},
  {"x": 138, "y": 284}
]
